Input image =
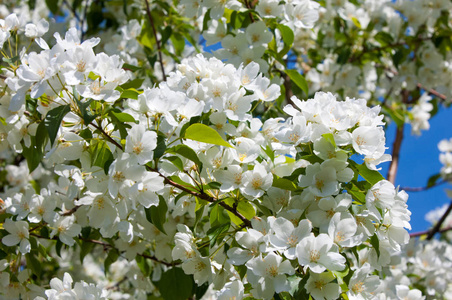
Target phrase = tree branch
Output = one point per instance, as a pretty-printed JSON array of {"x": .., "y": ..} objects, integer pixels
[
  {"x": 425, "y": 232},
  {"x": 433, "y": 92},
  {"x": 392, "y": 173},
  {"x": 202, "y": 195},
  {"x": 159, "y": 50},
  {"x": 422, "y": 188},
  {"x": 438, "y": 225},
  {"x": 107, "y": 136}
]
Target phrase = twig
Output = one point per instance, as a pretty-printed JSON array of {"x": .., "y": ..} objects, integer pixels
[
  {"x": 107, "y": 245},
  {"x": 433, "y": 92},
  {"x": 107, "y": 136},
  {"x": 148, "y": 12},
  {"x": 437, "y": 226},
  {"x": 202, "y": 195},
  {"x": 392, "y": 173},
  {"x": 425, "y": 232},
  {"x": 71, "y": 211},
  {"x": 248, "y": 5},
  {"x": 422, "y": 188},
  {"x": 72, "y": 9}
]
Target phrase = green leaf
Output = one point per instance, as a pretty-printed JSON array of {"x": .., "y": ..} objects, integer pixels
[
  {"x": 130, "y": 94},
  {"x": 369, "y": 175},
  {"x": 433, "y": 180},
  {"x": 358, "y": 194},
  {"x": 157, "y": 214},
  {"x": 299, "y": 80},
  {"x": 384, "y": 38},
  {"x": 100, "y": 153},
  {"x": 284, "y": 183},
  {"x": 175, "y": 285},
  {"x": 87, "y": 115},
  {"x": 176, "y": 161},
  {"x": 130, "y": 68},
  {"x": 288, "y": 38},
  {"x": 35, "y": 152},
  {"x": 186, "y": 152},
  {"x": 244, "y": 207},
  {"x": 53, "y": 120},
  {"x": 375, "y": 242},
  {"x": 112, "y": 256},
  {"x": 143, "y": 265},
  {"x": 53, "y": 6},
  {"x": 161, "y": 146},
  {"x": 330, "y": 138},
  {"x": 218, "y": 216},
  {"x": 122, "y": 117},
  {"x": 203, "y": 133},
  {"x": 215, "y": 232},
  {"x": 166, "y": 34},
  {"x": 133, "y": 84},
  {"x": 286, "y": 33},
  {"x": 33, "y": 264}
]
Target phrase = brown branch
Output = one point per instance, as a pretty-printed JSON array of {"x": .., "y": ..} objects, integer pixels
[
  {"x": 159, "y": 50},
  {"x": 438, "y": 225},
  {"x": 392, "y": 173},
  {"x": 107, "y": 245},
  {"x": 433, "y": 92},
  {"x": 70, "y": 212},
  {"x": 202, "y": 195},
  {"x": 425, "y": 232},
  {"x": 422, "y": 188},
  {"x": 107, "y": 136},
  {"x": 249, "y": 6}
]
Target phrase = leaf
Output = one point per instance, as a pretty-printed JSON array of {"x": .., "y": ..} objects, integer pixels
[
  {"x": 130, "y": 68},
  {"x": 130, "y": 94},
  {"x": 203, "y": 133},
  {"x": 298, "y": 79},
  {"x": 112, "y": 256},
  {"x": 161, "y": 146},
  {"x": 33, "y": 264},
  {"x": 100, "y": 153},
  {"x": 384, "y": 38},
  {"x": 157, "y": 214},
  {"x": 214, "y": 232},
  {"x": 133, "y": 84},
  {"x": 288, "y": 38},
  {"x": 175, "y": 285},
  {"x": 433, "y": 180},
  {"x": 186, "y": 152},
  {"x": 375, "y": 243},
  {"x": 218, "y": 216},
  {"x": 330, "y": 138},
  {"x": 53, "y": 120},
  {"x": 87, "y": 115},
  {"x": 53, "y": 6},
  {"x": 176, "y": 161},
  {"x": 369, "y": 175},
  {"x": 122, "y": 117},
  {"x": 284, "y": 183},
  {"x": 357, "y": 194},
  {"x": 286, "y": 33},
  {"x": 243, "y": 207}
]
